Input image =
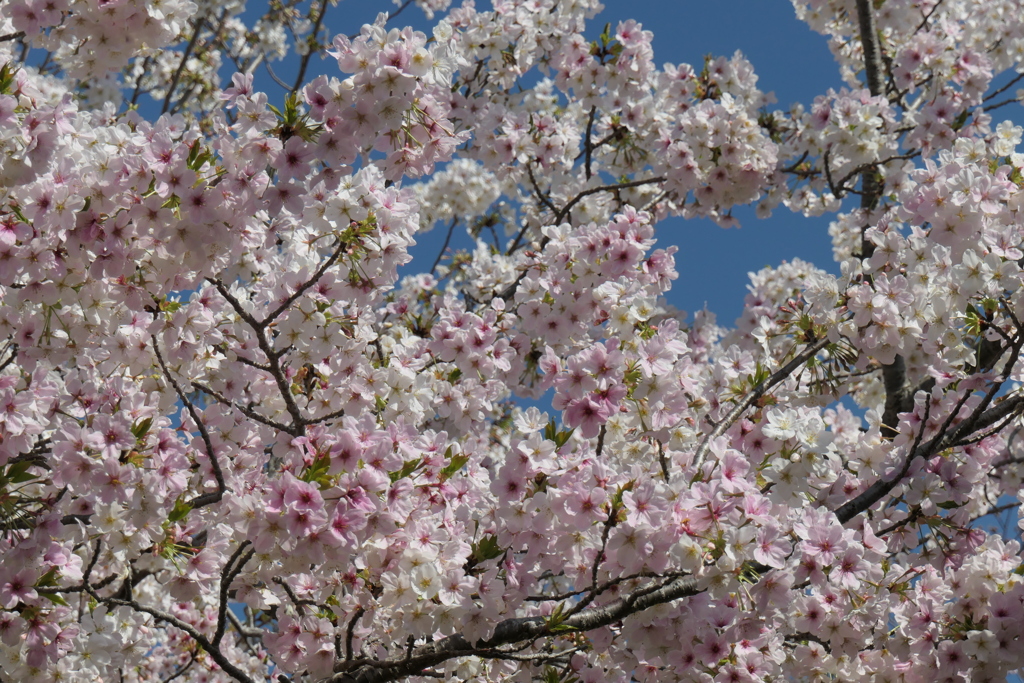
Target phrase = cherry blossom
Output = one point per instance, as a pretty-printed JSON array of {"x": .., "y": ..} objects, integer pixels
[{"x": 244, "y": 434}]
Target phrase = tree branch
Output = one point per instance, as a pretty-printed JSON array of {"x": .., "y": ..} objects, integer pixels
[
  {"x": 273, "y": 356},
  {"x": 752, "y": 397},
  {"x": 444, "y": 247},
  {"x": 214, "y": 496},
  {"x": 304, "y": 286},
  {"x": 517, "y": 630},
  {"x": 228, "y": 574},
  {"x": 214, "y": 652},
  {"x": 869, "y": 44},
  {"x": 882, "y": 487},
  {"x": 604, "y": 188},
  {"x": 249, "y": 413},
  {"x": 181, "y": 65},
  {"x": 304, "y": 64}
]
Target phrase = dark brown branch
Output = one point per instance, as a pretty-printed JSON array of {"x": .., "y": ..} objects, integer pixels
[
  {"x": 999, "y": 105},
  {"x": 899, "y": 396},
  {"x": 914, "y": 515},
  {"x": 882, "y": 487},
  {"x": 181, "y": 670},
  {"x": 304, "y": 64},
  {"x": 751, "y": 398},
  {"x": 663, "y": 461},
  {"x": 297, "y": 427},
  {"x": 300, "y": 605},
  {"x": 214, "y": 652},
  {"x": 248, "y": 412},
  {"x": 274, "y": 76},
  {"x": 242, "y": 629},
  {"x": 604, "y": 188},
  {"x": 10, "y": 359},
  {"x": 588, "y": 147},
  {"x": 214, "y": 496},
  {"x": 350, "y": 631},
  {"x": 996, "y": 93},
  {"x": 329, "y": 416},
  {"x": 927, "y": 17},
  {"x": 228, "y": 574},
  {"x": 519, "y": 630},
  {"x": 304, "y": 286},
  {"x": 173, "y": 85},
  {"x": 869, "y": 44},
  {"x": 444, "y": 247}
]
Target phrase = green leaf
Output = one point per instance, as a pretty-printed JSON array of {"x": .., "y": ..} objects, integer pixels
[
  {"x": 407, "y": 469},
  {"x": 17, "y": 212},
  {"x": 55, "y": 599},
  {"x": 454, "y": 376},
  {"x": 18, "y": 473},
  {"x": 179, "y": 511},
  {"x": 486, "y": 548},
  {"x": 319, "y": 472},
  {"x": 550, "y": 430},
  {"x": 47, "y": 579},
  {"x": 961, "y": 120},
  {"x": 455, "y": 463},
  {"x": 563, "y": 436},
  {"x": 7, "y": 72},
  {"x": 140, "y": 429}
]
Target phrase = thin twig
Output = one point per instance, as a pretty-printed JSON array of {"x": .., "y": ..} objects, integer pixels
[
  {"x": 248, "y": 412},
  {"x": 181, "y": 65},
  {"x": 203, "y": 642},
  {"x": 206, "y": 498},
  {"x": 304, "y": 64},
  {"x": 604, "y": 188},
  {"x": 751, "y": 398},
  {"x": 444, "y": 247}
]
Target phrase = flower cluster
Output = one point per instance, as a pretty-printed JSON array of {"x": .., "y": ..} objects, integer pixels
[{"x": 241, "y": 436}]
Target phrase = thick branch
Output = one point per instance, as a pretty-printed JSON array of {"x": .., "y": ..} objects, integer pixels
[
  {"x": 869, "y": 43},
  {"x": 214, "y": 652},
  {"x": 882, "y": 487},
  {"x": 230, "y": 571},
  {"x": 899, "y": 396},
  {"x": 510, "y": 632}
]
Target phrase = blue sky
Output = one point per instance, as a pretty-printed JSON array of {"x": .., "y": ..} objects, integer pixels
[{"x": 791, "y": 61}]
